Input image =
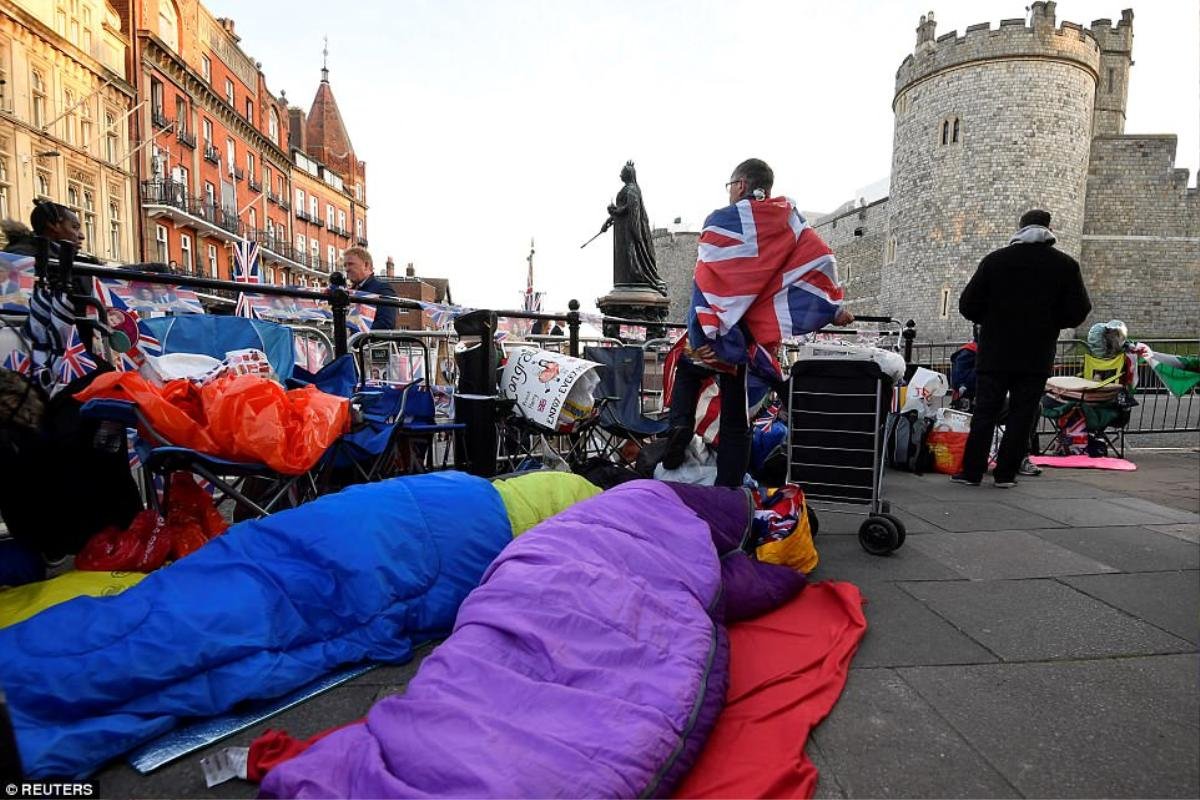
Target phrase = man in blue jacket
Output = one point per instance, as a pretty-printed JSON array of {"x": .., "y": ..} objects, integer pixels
[
  {"x": 1021, "y": 296},
  {"x": 360, "y": 271}
]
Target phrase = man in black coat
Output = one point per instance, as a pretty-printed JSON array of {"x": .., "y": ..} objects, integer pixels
[
  {"x": 1021, "y": 296},
  {"x": 361, "y": 272}
]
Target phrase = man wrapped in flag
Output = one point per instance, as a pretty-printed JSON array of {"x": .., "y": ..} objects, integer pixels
[{"x": 762, "y": 276}]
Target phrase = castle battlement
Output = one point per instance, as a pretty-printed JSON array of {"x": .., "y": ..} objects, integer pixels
[{"x": 1014, "y": 38}]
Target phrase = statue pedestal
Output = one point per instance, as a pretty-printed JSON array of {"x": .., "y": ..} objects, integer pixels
[{"x": 642, "y": 303}]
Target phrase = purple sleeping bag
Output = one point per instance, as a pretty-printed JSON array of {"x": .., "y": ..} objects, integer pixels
[{"x": 591, "y": 661}]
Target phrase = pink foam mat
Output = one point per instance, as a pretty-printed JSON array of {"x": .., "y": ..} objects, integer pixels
[{"x": 1084, "y": 462}]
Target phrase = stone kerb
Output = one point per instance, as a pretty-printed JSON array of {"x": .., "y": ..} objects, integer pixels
[{"x": 1070, "y": 42}]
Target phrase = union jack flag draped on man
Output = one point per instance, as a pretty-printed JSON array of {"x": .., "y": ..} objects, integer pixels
[
  {"x": 762, "y": 275},
  {"x": 247, "y": 268}
]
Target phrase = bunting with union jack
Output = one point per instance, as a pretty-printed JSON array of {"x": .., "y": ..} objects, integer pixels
[
  {"x": 247, "y": 268},
  {"x": 762, "y": 275}
]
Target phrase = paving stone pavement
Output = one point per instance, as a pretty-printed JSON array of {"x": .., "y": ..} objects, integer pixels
[{"x": 1033, "y": 642}]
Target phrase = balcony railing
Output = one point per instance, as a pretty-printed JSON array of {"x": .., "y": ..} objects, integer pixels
[
  {"x": 159, "y": 118},
  {"x": 339, "y": 231},
  {"x": 253, "y": 185},
  {"x": 272, "y": 197},
  {"x": 317, "y": 221},
  {"x": 301, "y": 214},
  {"x": 175, "y": 195},
  {"x": 186, "y": 139},
  {"x": 284, "y": 204},
  {"x": 362, "y": 241},
  {"x": 212, "y": 154},
  {"x": 238, "y": 173}
]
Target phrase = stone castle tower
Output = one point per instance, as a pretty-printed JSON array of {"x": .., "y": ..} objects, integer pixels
[{"x": 998, "y": 121}]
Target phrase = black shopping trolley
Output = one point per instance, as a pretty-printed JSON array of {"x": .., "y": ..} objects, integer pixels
[{"x": 837, "y": 413}]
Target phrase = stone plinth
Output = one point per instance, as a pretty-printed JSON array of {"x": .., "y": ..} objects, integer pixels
[{"x": 641, "y": 303}]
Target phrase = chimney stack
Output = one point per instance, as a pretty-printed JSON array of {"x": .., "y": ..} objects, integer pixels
[
  {"x": 391, "y": 267},
  {"x": 410, "y": 271}
]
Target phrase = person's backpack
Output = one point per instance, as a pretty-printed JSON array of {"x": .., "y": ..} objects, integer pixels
[{"x": 905, "y": 447}]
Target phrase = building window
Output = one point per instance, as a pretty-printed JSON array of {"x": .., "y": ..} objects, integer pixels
[
  {"x": 358, "y": 228},
  {"x": 250, "y": 171},
  {"x": 185, "y": 253},
  {"x": 210, "y": 197},
  {"x": 38, "y": 84},
  {"x": 229, "y": 91},
  {"x": 328, "y": 215},
  {"x": 181, "y": 115},
  {"x": 69, "y": 121},
  {"x": 316, "y": 251},
  {"x": 114, "y": 230},
  {"x": 156, "y": 97},
  {"x": 208, "y": 133},
  {"x": 206, "y": 68},
  {"x": 89, "y": 217},
  {"x": 301, "y": 244},
  {"x": 85, "y": 126},
  {"x": 299, "y": 199},
  {"x": 951, "y": 128},
  {"x": 230, "y": 156},
  {"x": 268, "y": 178},
  {"x": 273, "y": 125},
  {"x": 252, "y": 218},
  {"x": 111, "y": 135},
  {"x": 43, "y": 183},
  {"x": 249, "y": 111},
  {"x": 4, "y": 184},
  {"x": 271, "y": 275},
  {"x": 162, "y": 243},
  {"x": 314, "y": 208},
  {"x": 358, "y": 192},
  {"x": 331, "y": 253},
  {"x": 341, "y": 220},
  {"x": 212, "y": 260},
  {"x": 944, "y": 305},
  {"x": 889, "y": 253},
  {"x": 168, "y": 24},
  {"x": 1111, "y": 76}
]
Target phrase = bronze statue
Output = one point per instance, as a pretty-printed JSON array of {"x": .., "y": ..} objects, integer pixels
[{"x": 634, "y": 263}]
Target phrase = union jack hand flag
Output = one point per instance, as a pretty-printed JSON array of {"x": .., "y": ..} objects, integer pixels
[
  {"x": 762, "y": 275},
  {"x": 18, "y": 361},
  {"x": 75, "y": 361},
  {"x": 247, "y": 268}
]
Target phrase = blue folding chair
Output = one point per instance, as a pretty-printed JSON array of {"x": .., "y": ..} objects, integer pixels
[
  {"x": 256, "y": 489},
  {"x": 621, "y": 418}
]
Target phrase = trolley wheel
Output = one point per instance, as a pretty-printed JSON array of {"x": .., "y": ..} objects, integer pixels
[
  {"x": 899, "y": 523},
  {"x": 879, "y": 536},
  {"x": 814, "y": 524}
]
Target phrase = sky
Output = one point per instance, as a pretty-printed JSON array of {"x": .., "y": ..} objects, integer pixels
[{"x": 487, "y": 124}]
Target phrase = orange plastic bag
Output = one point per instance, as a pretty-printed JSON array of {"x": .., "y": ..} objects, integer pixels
[
  {"x": 239, "y": 417},
  {"x": 947, "y": 449}
]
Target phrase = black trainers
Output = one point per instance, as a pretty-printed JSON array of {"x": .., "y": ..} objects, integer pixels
[
  {"x": 677, "y": 444},
  {"x": 964, "y": 480},
  {"x": 1005, "y": 484},
  {"x": 1029, "y": 468}
]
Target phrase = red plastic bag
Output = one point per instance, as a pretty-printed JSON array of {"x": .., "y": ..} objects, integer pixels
[
  {"x": 947, "y": 449},
  {"x": 185, "y": 535},
  {"x": 188, "y": 499},
  {"x": 143, "y": 546}
]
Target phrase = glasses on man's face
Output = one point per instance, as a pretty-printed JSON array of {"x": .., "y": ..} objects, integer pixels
[{"x": 732, "y": 182}]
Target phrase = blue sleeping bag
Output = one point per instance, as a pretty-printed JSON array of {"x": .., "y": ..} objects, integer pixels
[{"x": 270, "y": 605}]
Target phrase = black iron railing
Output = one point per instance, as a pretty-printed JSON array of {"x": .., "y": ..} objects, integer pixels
[
  {"x": 175, "y": 195},
  {"x": 211, "y": 154},
  {"x": 186, "y": 139},
  {"x": 253, "y": 185},
  {"x": 159, "y": 118}
]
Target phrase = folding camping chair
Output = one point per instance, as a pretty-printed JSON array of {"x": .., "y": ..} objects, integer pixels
[
  {"x": 1090, "y": 413},
  {"x": 621, "y": 420},
  {"x": 255, "y": 489}
]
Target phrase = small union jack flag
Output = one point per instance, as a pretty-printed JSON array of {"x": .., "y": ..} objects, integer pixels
[
  {"x": 247, "y": 268},
  {"x": 75, "y": 361},
  {"x": 18, "y": 361}
]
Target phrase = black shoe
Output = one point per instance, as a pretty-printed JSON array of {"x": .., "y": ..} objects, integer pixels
[
  {"x": 677, "y": 444},
  {"x": 1005, "y": 484},
  {"x": 1029, "y": 468},
  {"x": 964, "y": 480}
]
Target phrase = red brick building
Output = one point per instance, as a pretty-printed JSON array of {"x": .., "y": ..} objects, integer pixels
[{"x": 222, "y": 158}]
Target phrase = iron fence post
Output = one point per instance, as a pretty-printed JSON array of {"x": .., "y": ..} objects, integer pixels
[
  {"x": 573, "y": 328},
  {"x": 339, "y": 300},
  {"x": 910, "y": 335}
]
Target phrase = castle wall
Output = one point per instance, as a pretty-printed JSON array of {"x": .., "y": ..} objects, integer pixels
[
  {"x": 1141, "y": 237},
  {"x": 859, "y": 241},
  {"x": 676, "y": 257},
  {"x": 1021, "y": 100}
]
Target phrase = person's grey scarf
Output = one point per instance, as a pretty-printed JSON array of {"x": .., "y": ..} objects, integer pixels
[{"x": 1033, "y": 234}]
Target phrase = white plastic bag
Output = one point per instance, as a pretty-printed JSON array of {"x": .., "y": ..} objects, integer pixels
[
  {"x": 924, "y": 387},
  {"x": 551, "y": 389}
]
